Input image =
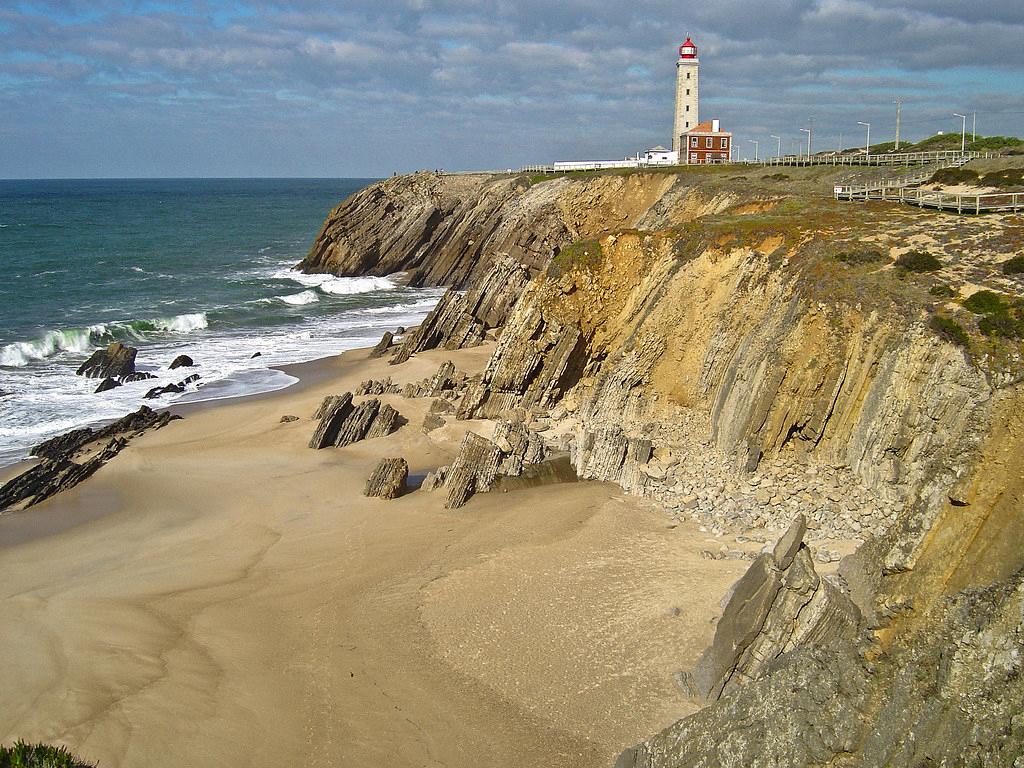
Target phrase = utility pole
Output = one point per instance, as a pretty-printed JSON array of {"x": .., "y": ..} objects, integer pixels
[
  {"x": 899, "y": 106},
  {"x": 974, "y": 126},
  {"x": 754, "y": 142},
  {"x": 867, "y": 145},
  {"x": 810, "y": 129},
  {"x": 963, "y": 131},
  {"x": 840, "y": 150},
  {"x": 808, "y": 132},
  {"x": 778, "y": 152}
]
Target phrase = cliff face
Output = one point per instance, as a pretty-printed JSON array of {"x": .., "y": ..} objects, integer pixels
[{"x": 744, "y": 352}]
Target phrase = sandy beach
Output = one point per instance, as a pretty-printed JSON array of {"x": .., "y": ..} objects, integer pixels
[{"x": 221, "y": 594}]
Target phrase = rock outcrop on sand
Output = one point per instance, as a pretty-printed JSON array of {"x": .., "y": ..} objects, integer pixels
[
  {"x": 480, "y": 462},
  {"x": 383, "y": 346},
  {"x": 388, "y": 480},
  {"x": 343, "y": 422},
  {"x": 447, "y": 382},
  {"x": 114, "y": 362},
  {"x": 68, "y": 459}
]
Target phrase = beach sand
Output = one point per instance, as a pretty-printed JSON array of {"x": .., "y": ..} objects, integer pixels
[{"x": 220, "y": 594}]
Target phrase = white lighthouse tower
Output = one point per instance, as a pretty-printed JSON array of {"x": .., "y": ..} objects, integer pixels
[{"x": 686, "y": 93}]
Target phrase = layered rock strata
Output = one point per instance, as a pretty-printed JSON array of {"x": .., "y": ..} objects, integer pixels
[
  {"x": 342, "y": 422},
  {"x": 388, "y": 480},
  {"x": 712, "y": 347},
  {"x": 479, "y": 462}
]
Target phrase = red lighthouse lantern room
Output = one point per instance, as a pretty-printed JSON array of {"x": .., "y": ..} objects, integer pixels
[{"x": 688, "y": 50}]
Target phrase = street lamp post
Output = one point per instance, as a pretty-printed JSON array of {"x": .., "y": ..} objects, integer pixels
[
  {"x": 899, "y": 107},
  {"x": 778, "y": 151},
  {"x": 808, "y": 132},
  {"x": 963, "y": 131},
  {"x": 867, "y": 142},
  {"x": 754, "y": 142}
]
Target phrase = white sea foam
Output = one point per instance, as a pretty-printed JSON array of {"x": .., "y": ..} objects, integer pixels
[
  {"x": 337, "y": 286},
  {"x": 298, "y": 299},
  {"x": 182, "y": 323}
]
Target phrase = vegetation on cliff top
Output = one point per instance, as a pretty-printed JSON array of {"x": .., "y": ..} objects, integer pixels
[{"x": 23, "y": 755}]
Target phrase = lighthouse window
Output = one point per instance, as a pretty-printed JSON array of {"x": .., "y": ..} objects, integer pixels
[
  {"x": 687, "y": 75},
  {"x": 687, "y": 107},
  {"x": 687, "y": 91}
]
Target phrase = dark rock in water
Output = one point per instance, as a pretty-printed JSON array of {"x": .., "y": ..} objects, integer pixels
[
  {"x": 114, "y": 362},
  {"x": 137, "y": 376},
  {"x": 5, "y": 394},
  {"x": 399, "y": 330},
  {"x": 171, "y": 389},
  {"x": 388, "y": 480},
  {"x": 181, "y": 361},
  {"x": 106, "y": 385},
  {"x": 288, "y": 418},
  {"x": 256, "y": 354},
  {"x": 343, "y": 423},
  {"x": 70, "y": 458},
  {"x": 385, "y": 343}
]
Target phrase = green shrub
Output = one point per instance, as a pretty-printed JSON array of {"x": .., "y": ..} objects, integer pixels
[
  {"x": 1001, "y": 324},
  {"x": 950, "y": 330},
  {"x": 943, "y": 291},
  {"x": 918, "y": 261},
  {"x": 985, "y": 303},
  {"x": 862, "y": 256},
  {"x": 1014, "y": 266},
  {"x": 23, "y": 755},
  {"x": 954, "y": 176},
  {"x": 775, "y": 177}
]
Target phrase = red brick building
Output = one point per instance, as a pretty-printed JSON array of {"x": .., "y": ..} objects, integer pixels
[{"x": 707, "y": 143}]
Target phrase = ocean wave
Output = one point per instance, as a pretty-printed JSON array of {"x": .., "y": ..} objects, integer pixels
[
  {"x": 79, "y": 340},
  {"x": 21, "y": 353},
  {"x": 337, "y": 286},
  {"x": 298, "y": 299}
]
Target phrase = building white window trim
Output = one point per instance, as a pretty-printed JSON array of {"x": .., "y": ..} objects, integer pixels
[
  {"x": 709, "y": 142},
  {"x": 725, "y": 142},
  {"x": 693, "y": 141}
]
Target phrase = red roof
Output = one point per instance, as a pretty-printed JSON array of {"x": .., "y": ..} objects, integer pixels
[
  {"x": 707, "y": 127},
  {"x": 688, "y": 44}
]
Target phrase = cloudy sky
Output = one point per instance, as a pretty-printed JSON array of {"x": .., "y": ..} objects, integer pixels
[{"x": 367, "y": 87}]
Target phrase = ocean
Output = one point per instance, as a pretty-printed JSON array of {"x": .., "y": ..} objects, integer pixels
[{"x": 201, "y": 267}]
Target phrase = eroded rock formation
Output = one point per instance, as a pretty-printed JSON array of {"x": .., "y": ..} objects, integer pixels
[
  {"x": 70, "y": 458},
  {"x": 388, "y": 480},
  {"x": 342, "y": 422}
]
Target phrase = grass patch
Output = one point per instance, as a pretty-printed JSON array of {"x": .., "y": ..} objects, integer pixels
[
  {"x": 998, "y": 318},
  {"x": 23, "y": 755},
  {"x": 918, "y": 261},
  {"x": 859, "y": 257},
  {"x": 950, "y": 330},
  {"x": 942, "y": 290},
  {"x": 775, "y": 177},
  {"x": 1014, "y": 266},
  {"x": 581, "y": 255}
]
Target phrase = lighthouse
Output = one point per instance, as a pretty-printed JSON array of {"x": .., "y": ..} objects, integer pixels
[{"x": 687, "y": 66}]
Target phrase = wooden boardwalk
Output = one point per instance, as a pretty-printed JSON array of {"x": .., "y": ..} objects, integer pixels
[
  {"x": 895, "y": 159},
  {"x": 941, "y": 201}
]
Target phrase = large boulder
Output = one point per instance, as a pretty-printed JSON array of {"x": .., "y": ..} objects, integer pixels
[
  {"x": 342, "y": 422},
  {"x": 106, "y": 385},
  {"x": 114, "y": 362},
  {"x": 385, "y": 343}
]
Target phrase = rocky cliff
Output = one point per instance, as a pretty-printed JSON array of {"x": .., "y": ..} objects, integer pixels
[{"x": 745, "y": 350}]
